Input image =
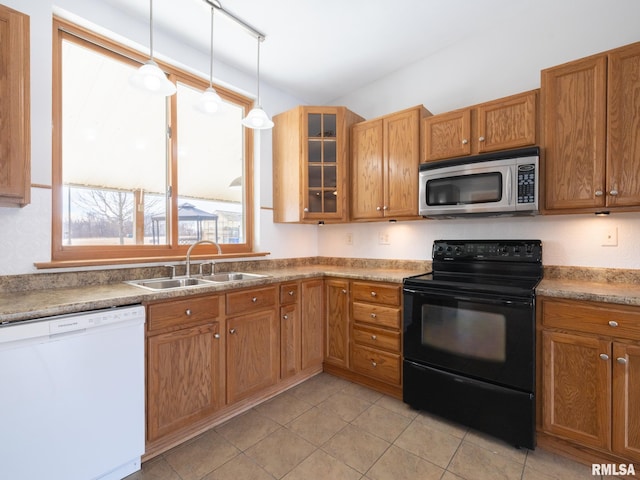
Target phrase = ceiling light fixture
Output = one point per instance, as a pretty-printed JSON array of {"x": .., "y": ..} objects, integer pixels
[
  {"x": 257, "y": 118},
  {"x": 149, "y": 77},
  {"x": 210, "y": 100}
]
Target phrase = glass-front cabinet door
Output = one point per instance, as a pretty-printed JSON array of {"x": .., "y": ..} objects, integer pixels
[{"x": 324, "y": 174}]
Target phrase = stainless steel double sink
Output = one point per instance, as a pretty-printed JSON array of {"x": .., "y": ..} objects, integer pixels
[{"x": 184, "y": 282}]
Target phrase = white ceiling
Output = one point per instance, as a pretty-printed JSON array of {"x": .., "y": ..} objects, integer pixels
[{"x": 318, "y": 51}]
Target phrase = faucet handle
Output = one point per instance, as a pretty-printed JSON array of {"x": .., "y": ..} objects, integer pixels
[
  {"x": 212, "y": 266},
  {"x": 173, "y": 270}
]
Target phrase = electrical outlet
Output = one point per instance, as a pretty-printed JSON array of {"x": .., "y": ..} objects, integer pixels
[
  {"x": 348, "y": 239},
  {"x": 609, "y": 237},
  {"x": 383, "y": 238}
]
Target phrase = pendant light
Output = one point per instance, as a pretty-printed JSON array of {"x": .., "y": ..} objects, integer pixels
[
  {"x": 210, "y": 100},
  {"x": 149, "y": 77},
  {"x": 257, "y": 118}
]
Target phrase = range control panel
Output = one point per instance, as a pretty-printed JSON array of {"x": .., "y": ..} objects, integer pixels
[{"x": 492, "y": 250}]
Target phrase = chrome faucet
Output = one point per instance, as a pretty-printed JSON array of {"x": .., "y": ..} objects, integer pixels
[{"x": 188, "y": 261}]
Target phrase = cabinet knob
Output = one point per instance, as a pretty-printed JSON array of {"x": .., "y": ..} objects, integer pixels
[
  {"x": 232, "y": 331},
  {"x": 285, "y": 317},
  {"x": 374, "y": 337},
  {"x": 378, "y": 209},
  {"x": 254, "y": 299},
  {"x": 373, "y": 315},
  {"x": 599, "y": 193},
  {"x": 187, "y": 312},
  {"x": 385, "y": 208},
  {"x": 291, "y": 292},
  {"x": 604, "y": 356},
  {"x": 374, "y": 294},
  {"x": 344, "y": 291},
  {"x": 216, "y": 335},
  {"x": 306, "y": 209},
  {"x": 613, "y": 323},
  {"x": 481, "y": 139},
  {"x": 374, "y": 364},
  {"x": 613, "y": 192},
  {"x": 465, "y": 141},
  {"x": 621, "y": 360}
]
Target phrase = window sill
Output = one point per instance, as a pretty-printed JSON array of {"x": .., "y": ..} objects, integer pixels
[{"x": 142, "y": 260}]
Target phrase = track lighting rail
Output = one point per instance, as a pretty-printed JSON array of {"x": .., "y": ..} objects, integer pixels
[{"x": 218, "y": 6}]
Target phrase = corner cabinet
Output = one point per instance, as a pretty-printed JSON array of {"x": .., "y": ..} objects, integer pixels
[
  {"x": 590, "y": 380},
  {"x": 591, "y": 117},
  {"x": 505, "y": 123},
  {"x": 15, "y": 136},
  {"x": 310, "y": 164},
  {"x": 385, "y": 156}
]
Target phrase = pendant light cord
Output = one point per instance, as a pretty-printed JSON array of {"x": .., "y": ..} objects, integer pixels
[
  {"x": 258, "y": 71},
  {"x": 211, "y": 52},
  {"x": 151, "y": 30}
]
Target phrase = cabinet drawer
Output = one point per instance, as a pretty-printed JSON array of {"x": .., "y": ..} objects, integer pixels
[
  {"x": 377, "y": 315},
  {"x": 251, "y": 300},
  {"x": 599, "y": 318},
  {"x": 376, "y": 293},
  {"x": 376, "y": 338},
  {"x": 374, "y": 363},
  {"x": 289, "y": 293},
  {"x": 177, "y": 313}
]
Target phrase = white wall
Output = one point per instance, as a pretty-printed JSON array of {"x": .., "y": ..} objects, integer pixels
[{"x": 497, "y": 64}]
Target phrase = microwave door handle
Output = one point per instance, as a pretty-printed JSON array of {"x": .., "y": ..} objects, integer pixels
[{"x": 509, "y": 187}]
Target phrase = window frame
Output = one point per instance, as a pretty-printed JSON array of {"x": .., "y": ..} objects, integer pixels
[{"x": 107, "y": 254}]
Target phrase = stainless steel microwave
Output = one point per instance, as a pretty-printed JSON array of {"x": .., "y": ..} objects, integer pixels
[{"x": 500, "y": 183}]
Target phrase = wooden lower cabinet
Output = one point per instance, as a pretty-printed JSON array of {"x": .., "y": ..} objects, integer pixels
[
  {"x": 312, "y": 324},
  {"x": 337, "y": 330},
  {"x": 590, "y": 380},
  {"x": 185, "y": 369},
  {"x": 253, "y": 356}
]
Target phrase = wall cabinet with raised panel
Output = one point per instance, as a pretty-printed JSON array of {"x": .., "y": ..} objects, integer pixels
[
  {"x": 590, "y": 381},
  {"x": 591, "y": 129},
  {"x": 502, "y": 124},
  {"x": 385, "y": 155},
  {"x": 15, "y": 134}
]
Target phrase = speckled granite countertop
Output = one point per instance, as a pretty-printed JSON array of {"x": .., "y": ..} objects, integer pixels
[
  {"x": 44, "y": 302},
  {"x": 621, "y": 293}
]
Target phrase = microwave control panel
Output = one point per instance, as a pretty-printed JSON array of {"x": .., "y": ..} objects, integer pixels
[{"x": 527, "y": 183}]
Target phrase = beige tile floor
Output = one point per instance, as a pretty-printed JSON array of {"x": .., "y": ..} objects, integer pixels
[{"x": 329, "y": 428}]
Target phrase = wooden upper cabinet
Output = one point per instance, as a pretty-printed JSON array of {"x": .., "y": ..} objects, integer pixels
[
  {"x": 385, "y": 155},
  {"x": 15, "y": 135},
  {"x": 591, "y": 117},
  {"x": 447, "y": 135},
  {"x": 310, "y": 164},
  {"x": 501, "y": 124},
  {"x": 508, "y": 123}
]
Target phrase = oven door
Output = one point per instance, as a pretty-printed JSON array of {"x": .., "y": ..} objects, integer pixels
[{"x": 479, "y": 335}]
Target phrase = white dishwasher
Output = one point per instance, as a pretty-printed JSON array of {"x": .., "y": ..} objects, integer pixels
[{"x": 72, "y": 396}]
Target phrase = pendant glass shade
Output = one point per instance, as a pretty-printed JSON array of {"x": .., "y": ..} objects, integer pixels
[
  {"x": 257, "y": 119},
  {"x": 209, "y": 101},
  {"x": 149, "y": 77}
]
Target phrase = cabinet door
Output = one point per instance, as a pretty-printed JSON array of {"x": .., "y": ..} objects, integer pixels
[
  {"x": 623, "y": 128},
  {"x": 507, "y": 123},
  {"x": 626, "y": 401},
  {"x": 311, "y": 322},
  {"x": 253, "y": 353},
  {"x": 337, "y": 332},
  {"x": 289, "y": 340},
  {"x": 574, "y": 106},
  {"x": 577, "y": 388},
  {"x": 178, "y": 362},
  {"x": 402, "y": 156},
  {"x": 447, "y": 135},
  {"x": 367, "y": 170},
  {"x": 15, "y": 137}
]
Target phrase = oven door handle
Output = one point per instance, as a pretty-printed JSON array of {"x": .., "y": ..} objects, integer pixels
[{"x": 491, "y": 301}]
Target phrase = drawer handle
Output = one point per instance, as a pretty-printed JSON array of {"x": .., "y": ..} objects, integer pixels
[
  {"x": 373, "y": 315},
  {"x": 613, "y": 323},
  {"x": 604, "y": 356},
  {"x": 187, "y": 312},
  {"x": 374, "y": 364},
  {"x": 254, "y": 299},
  {"x": 291, "y": 292},
  {"x": 621, "y": 360},
  {"x": 216, "y": 335},
  {"x": 374, "y": 337},
  {"x": 232, "y": 331},
  {"x": 285, "y": 317},
  {"x": 374, "y": 294}
]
